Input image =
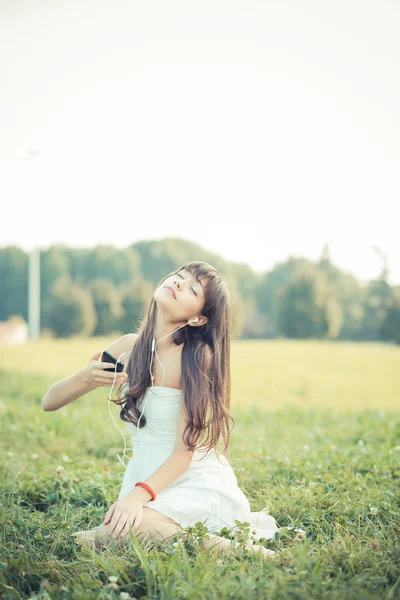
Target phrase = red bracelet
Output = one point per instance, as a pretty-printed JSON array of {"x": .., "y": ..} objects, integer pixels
[{"x": 148, "y": 488}]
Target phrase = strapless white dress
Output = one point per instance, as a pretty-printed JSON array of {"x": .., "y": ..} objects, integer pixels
[{"x": 207, "y": 491}]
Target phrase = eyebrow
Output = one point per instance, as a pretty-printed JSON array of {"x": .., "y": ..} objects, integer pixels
[{"x": 184, "y": 271}]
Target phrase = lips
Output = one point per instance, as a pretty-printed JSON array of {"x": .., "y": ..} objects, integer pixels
[{"x": 167, "y": 287}]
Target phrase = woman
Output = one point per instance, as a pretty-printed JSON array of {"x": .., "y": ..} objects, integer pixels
[{"x": 176, "y": 478}]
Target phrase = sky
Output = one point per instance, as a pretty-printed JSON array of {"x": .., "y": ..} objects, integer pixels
[{"x": 257, "y": 129}]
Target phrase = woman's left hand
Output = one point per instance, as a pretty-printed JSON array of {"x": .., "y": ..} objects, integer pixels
[{"x": 124, "y": 512}]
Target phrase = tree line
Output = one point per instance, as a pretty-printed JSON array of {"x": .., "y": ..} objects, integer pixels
[{"x": 104, "y": 290}]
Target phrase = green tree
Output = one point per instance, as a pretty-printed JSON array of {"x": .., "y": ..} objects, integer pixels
[
  {"x": 390, "y": 328},
  {"x": 70, "y": 309},
  {"x": 134, "y": 298},
  {"x": 107, "y": 305},
  {"x": 270, "y": 289},
  {"x": 378, "y": 299},
  {"x": 349, "y": 293},
  {"x": 308, "y": 308},
  {"x": 159, "y": 257},
  {"x": 103, "y": 262},
  {"x": 54, "y": 264}
]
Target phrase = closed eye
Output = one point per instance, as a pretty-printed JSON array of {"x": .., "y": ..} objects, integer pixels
[{"x": 190, "y": 288}]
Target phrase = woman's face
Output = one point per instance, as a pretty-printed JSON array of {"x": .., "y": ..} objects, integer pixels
[{"x": 185, "y": 299}]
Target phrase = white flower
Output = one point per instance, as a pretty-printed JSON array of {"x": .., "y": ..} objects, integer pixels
[
  {"x": 60, "y": 469},
  {"x": 124, "y": 595},
  {"x": 113, "y": 586},
  {"x": 66, "y": 458},
  {"x": 10, "y": 453},
  {"x": 306, "y": 447},
  {"x": 373, "y": 510},
  {"x": 175, "y": 544},
  {"x": 34, "y": 455},
  {"x": 360, "y": 443},
  {"x": 113, "y": 579}
]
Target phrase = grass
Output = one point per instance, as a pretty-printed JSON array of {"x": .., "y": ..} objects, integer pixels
[{"x": 316, "y": 438}]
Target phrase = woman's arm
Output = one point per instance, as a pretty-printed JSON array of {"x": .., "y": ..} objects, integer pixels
[
  {"x": 172, "y": 468},
  {"x": 129, "y": 510},
  {"x": 70, "y": 388},
  {"x": 67, "y": 390},
  {"x": 181, "y": 456}
]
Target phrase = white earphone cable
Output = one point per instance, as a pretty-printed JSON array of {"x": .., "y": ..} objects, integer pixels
[
  {"x": 109, "y": 403},
  {"x": 153, "y": 349}
]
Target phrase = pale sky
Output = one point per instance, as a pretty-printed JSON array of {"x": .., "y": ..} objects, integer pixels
[{"x": 258, "y": 129}]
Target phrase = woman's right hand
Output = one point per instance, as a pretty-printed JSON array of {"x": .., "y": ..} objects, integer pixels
[{"x": 96, "y": 375}]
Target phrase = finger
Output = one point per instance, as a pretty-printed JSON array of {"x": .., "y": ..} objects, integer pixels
[
  {"x": 109, "y": 374},
  {"x": 114, "y": 522},
  {"x": 107, "y": 365},
  {"x": 109, "y": 514},
  {"x": 137, "y": 519},
  {"x": 108, "y": 378},
  {"x": 136, "y": 524},
  {"x": 104, "y": 376},
  {"x": 126, "y": 530},
  {"x": 120, "y": 526}
]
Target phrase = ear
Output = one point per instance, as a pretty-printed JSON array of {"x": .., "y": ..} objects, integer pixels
[{"x": 202, "y": 320}]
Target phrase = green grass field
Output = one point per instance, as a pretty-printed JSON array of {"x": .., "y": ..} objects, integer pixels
[{"x": 316, "y": 438}]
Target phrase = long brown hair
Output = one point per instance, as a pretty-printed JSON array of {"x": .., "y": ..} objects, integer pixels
[{"x": 206, "y": 385}]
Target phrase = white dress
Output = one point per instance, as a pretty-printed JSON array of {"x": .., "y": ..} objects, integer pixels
[{"x": 207, "y": 491}]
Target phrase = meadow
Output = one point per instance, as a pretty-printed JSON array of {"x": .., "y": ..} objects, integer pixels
[{"x": 316, "y": 438}]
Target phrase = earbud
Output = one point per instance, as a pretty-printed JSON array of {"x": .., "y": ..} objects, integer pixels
[{"x": 194, "y": 320}]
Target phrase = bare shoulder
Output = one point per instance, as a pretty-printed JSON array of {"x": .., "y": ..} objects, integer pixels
[{"x": 125, "y": 343}]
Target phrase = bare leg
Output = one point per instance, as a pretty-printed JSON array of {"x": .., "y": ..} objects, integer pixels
[
  {"x": 223, "y": 545},
  {"x": 158, "y": 527}
]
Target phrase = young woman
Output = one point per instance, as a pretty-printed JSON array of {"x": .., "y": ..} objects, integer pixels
[{"x": 176, "y": 404}]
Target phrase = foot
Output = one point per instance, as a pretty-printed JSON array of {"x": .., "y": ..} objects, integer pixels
[
  {"x": 265, "y": 552},
  {"x": 87, "y": 537},
  {"x": 103, "y": 537}
]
